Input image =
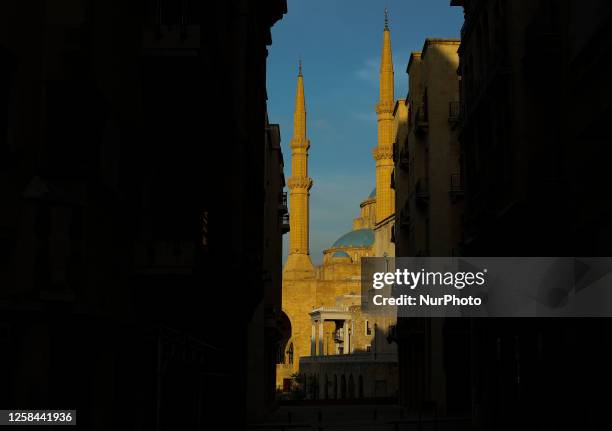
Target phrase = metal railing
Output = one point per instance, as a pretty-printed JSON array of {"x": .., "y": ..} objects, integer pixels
[
  {"x": 456, "y": 186},
  {"x": 352, "y": 357},
  {"x": 420, "y": 118},
  {"x": 454, "y": 110},
  {"x": 285, "y": 222},
  {"x": 421, "y": 192}
]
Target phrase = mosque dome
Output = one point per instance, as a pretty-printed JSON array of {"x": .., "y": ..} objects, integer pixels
[
  {"x": 373, "y": 194},
  {"x": 340, "y": 254},
  {"x": 356, "y": 238}
]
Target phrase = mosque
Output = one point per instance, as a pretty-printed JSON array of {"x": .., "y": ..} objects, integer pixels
[{"x": 336, "y": 350}]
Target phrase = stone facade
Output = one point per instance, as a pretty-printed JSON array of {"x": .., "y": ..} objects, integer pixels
[
  {"x": 429, "y": 202},
  {"x": 428, "y": 186}
]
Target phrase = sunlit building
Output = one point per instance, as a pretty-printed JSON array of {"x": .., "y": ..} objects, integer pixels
[{"x": 336, "y": 349}]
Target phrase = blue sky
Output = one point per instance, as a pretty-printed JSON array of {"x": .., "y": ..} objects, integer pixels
[{"x": 339, "y": 42}]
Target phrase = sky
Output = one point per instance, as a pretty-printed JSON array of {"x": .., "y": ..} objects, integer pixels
[{"x": 339, "y": 42}]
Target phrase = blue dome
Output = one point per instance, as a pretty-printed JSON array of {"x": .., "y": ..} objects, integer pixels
[
  {"x": 341, "y": 254},
  {"x": 356, "y": 238},
  {"x": 373, "y": 194}
]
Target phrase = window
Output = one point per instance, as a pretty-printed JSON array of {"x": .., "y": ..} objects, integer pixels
[
  {"x": 368, "y": 349},
  {"x": 368, "y": 328},
  {"x": 7, "y": 103},
  {"x": 290, "y": 354}
]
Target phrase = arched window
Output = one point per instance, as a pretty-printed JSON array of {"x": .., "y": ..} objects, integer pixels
[
  {"x": 360, "y": 387},
  {"x": 326, "y": 388},
  {"x": 335, "y": 386},
  {"x": 290, "y": 354},
  {"x": 351, "y": 387}
]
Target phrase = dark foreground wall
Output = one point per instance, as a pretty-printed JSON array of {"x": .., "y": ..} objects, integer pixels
[{"x": 131, "y": 148}]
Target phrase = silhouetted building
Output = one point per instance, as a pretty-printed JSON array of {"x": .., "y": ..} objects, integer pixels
[
  {"x": 269, "y": 328},
  {"x": 133, "y": 151},
  {"x": 434, "y": 364},
  {"x": 534, "y": 137}
]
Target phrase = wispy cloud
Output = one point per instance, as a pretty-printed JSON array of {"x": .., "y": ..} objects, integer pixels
[
  {"x": 369, "y": 70},
  {"x": 322, "y": 124},
  {"x": 366, "y": 117}
]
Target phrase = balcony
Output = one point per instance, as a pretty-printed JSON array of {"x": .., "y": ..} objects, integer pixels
[
  {"x": 352, "y": 357},
  {"x": 159, "y": 256},
  {"x": 285, "y": 223},
  {"x": 454, "y": 110},
  {"x": 421, "y": 122},
  {"x": 403, "y": 160},
  {"x": 421, "y": 192},
  {"x": 455, "y": 187},
  {"x": 404, "y": 218},
  {"x": 282, "y": 202},
  {"x": 171, "y": 27},
  {"x": 392, "y": 334}
]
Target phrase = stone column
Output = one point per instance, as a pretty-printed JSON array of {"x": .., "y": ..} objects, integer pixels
[
  {"x": 352, "y": 332},
  {"x": 321, "y": 353},
  {"x": 347, "y": 337},
  {"x": 312, "y": 340}
]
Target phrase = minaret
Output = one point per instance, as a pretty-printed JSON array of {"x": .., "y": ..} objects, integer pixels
[
  {"x": 299, "y": 185},
  {"x": 383, "y": 153}
]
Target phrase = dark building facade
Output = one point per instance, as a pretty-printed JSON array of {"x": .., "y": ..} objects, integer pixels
[
  {"x": 434, "y": 364},
  {"x": 132, "y": 144},
  {"x": 534, "y": 145}
]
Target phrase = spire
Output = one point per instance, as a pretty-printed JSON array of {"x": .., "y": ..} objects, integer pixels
[
  {"x": 383, "y": 153},
  {"x": 298, "y": 261},
  {"x": 299, "y": 115},
  {"x": 386, "y": 19},
  {"x": 386, "y": 65}
]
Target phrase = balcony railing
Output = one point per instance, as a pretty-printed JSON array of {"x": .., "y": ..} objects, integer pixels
[
  {"x": 172, "y": 13},
  {"x": 420, "y": 119},
  {"x": 456, "y": 186},
  {"x": 404, "y": 161},
  {"x": 404, "y": 219},
  {"x": 285, "y": 223},
  {"x": 421, "y": 192},
  {"x": 282, "y": 202},
  {"x": 351, "y": 357},
  {"x": 454, "y": 109}
]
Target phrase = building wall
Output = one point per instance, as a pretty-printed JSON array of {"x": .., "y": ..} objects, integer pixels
[
  {"x": 401, "y": 179},
  {"x": 362, "y": 379},
  {"x": 428, "y": 176},
  {"x": 428, "y": 220},
  {"x": 268, "y": 330},
  {"x": 116, "y": 230},
  {"x": 383, "y": 238},
  {"x": 531, "y": 167}
]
